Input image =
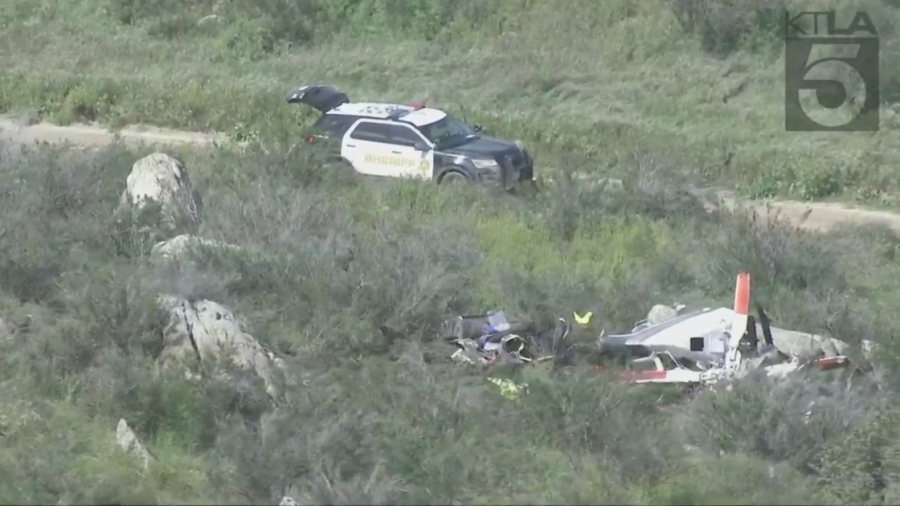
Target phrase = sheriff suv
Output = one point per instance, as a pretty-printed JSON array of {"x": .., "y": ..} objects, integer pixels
[{"x": 391, "y": 140}]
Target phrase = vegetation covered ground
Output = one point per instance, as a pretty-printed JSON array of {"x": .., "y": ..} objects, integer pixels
[
  {"x": 352, "y": 279},
  {"x": 697, "y": 82}
]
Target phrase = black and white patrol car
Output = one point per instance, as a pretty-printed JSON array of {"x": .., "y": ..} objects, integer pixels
[{"x": 391, "y": 140}]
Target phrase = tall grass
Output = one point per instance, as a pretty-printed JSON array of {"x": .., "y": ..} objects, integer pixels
[
  {"x": 350, "y": 283},
  {"x": 696, "y": 82}
]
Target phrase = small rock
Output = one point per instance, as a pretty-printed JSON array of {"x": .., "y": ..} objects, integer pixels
[
  {"x": 179, "y": 247},
  {"x": 287, "y": 501},
  {"x": 129, "y": 443},
  {"x": 660, "y": 313},
  {"x": 868, "y": 348}
]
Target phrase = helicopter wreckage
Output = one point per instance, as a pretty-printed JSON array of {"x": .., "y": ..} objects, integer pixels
[{"x": 672, "y": 346}]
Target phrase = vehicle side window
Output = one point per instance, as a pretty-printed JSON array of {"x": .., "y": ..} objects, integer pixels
[
  {"x": 372, "y": 132},
  {"x": 642, "y": 365},
  {"x": 667, "y": 361},
  {"x": 403, "y": 135},
  {"x": 333, "y": 124}
]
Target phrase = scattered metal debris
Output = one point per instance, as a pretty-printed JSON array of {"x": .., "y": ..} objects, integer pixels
[
  {"x": 491, "y": 339},
  {"x": 712, "y": 345},
  {"x": 673, "y": 345}
]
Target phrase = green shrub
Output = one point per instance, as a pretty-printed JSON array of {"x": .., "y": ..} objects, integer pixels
[
  {"x": 723, "y": 27},
  {"x": 348, "y": 280}
]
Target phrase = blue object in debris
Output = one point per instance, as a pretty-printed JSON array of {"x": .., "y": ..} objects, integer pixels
[{"x": 496, "y": 323}]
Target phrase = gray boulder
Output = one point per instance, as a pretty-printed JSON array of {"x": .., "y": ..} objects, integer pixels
[
  {"x": 180, "y": 248},
  {"x": 159, "y": 194},
  {"x": 660, "y": 313},
  {"x": 131, "y": 445},
  {"x": 201, "y": 332},
  {"x": 804, "y": 345}
]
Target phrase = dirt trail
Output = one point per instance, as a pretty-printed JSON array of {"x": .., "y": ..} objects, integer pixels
[
  {"x": 821, "y": 215},
  {"x": 13, "y": 131}
]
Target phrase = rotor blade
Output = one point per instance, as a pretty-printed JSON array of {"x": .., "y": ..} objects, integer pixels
[{"x": 766, "y": 324}]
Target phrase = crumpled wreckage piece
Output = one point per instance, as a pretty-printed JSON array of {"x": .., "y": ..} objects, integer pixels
[
  {"x": 487, "y": 339},
  {"x": 510, "y": 348},
  {"x": 798, "y": 346},
  {"x": 494, "y": 338},
  {"x": 474, "y": 326}
]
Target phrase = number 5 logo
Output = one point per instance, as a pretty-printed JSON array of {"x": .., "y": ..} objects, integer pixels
[{"x": 825, "y": 93}]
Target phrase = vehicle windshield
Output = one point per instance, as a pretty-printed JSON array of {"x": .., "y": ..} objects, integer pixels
[{"x": 448, "y": 131}]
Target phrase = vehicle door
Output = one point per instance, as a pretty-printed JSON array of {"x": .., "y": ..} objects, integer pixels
[
  {"x": 329, "y": 129},
  {"x": 321, "y": 97},
  {"x": 416, "y": 152},
  {"x": 365, "y": 146}
]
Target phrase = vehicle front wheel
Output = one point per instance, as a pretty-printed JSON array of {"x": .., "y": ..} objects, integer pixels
[{"x": 453, "y": 177}]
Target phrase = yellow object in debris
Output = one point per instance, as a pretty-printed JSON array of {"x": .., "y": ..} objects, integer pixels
[
  {"x": 508, "y": 389},
  {"x": 583, "y": 320}
]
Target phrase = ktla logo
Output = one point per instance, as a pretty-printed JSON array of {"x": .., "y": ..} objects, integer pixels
[{"x": 831, "y": 81}]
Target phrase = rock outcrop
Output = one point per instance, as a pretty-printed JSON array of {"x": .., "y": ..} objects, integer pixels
[
  {"x": 159, "y": 194},
  {"x": 130, "y": 444},
  {"x": 660, "y": 313},
  {"x": 203, "y": 331},
  {"x": 179, "y": 248},
  {"x": 804, "y": 345},
  {"x": 868, "y": 349}
]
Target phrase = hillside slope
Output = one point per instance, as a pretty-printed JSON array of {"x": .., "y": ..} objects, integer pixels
[
  {"x": 821, "y": 216},
  {"x": 597, "y": 86},
  {"x": 337, "y": 287}
]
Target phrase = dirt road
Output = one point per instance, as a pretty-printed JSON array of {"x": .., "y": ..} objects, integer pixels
[
  {"x": 822, "y": 216},
  {"x": 13, "y": 131}
]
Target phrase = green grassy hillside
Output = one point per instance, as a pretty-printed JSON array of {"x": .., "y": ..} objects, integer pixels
[
  {"x": 697, "y": 83},
  {"x": 350, "y": 280},
  {"x": 381, "y": 416}
]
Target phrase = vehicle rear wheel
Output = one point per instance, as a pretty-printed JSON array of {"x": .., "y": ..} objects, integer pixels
[{"x": 454, "y": 177}]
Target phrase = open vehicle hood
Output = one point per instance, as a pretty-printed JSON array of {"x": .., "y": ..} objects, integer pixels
[
  {"x": 482, "y": 146},
  {"x": 321, "y": 97}
]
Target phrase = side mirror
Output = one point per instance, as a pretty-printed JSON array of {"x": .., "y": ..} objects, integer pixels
[
  {"x": 477, "y": 127},
  {"x": 421, "y": 146}
]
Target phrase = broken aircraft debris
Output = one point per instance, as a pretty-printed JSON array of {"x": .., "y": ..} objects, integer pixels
[
  {"x": 675, "y": 346},
  {"x": 710, "y": 345},
  {"x": 490, "y": 339}
]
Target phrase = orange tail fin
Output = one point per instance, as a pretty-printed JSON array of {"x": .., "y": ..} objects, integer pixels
[
  {"x": 742, "y": 294},
  {"x": 741, "y": 315}
]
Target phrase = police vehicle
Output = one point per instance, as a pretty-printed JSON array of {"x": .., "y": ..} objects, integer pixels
[{"x": 412, "y": 141}]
